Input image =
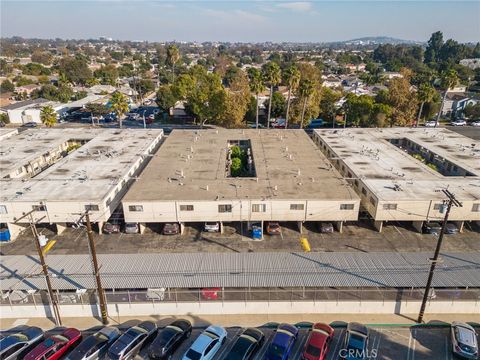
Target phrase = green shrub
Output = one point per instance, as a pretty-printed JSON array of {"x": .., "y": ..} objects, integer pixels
[
  {"x": 236, "y": 152},
  {"x": 236, "y": 167}
]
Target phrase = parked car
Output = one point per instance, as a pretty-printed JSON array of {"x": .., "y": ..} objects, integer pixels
[
  {"x": 458, "y": 123},
  {"x": 210, "y": 293},
  {"x": 315, "y": 124},
  {"x": 279, "y": 124},
  {"x": 131, "y": 228},
  {"x": 433, "y": 228},
  {"x": 54, "y": 346},
  {"x": 246, "y": 345},
  {"x": 464, "y": 341},
  {"x": 207, "y": 344},
  {"x": 282, "y": 342},
  {"x": 318, "y": 342},
  {"x": 30, "y": 124},
  {"x": 111, "y": 227},
  {"x": 212, "y": 227},
  {"x": 451, "y": 229},
  {"x": 133, "y": 115},
  {"x": 273, "y": 228},
  {"x": 355, "y": 342},
  {"x": 475, "y": 123},
  {"x": 169, "y": 339},
  {"x": 431, "y": 123},
  {"x": 128, "y": 345},
  {"x": 326, "y": 228},
  {"x": 171, "y": 229},
  {"x": 254, "y": 126},
  {"x": 16, "y": 345},
  {"x": 95, "y": 346}
]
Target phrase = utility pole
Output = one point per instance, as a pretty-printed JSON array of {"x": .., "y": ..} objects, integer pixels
[
  {"x": 93, "y": 253},
  {"x": 452, "y": 201},
  {"x": 53, "y": 299}
]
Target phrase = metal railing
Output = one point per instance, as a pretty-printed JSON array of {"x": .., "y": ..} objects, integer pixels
[{"x": 89, "y": 297}]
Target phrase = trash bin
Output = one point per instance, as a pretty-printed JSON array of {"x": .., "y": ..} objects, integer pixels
[{"x": 4, "y": 234}]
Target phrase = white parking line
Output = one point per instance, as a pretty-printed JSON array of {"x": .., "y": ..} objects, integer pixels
[
  {"x": 261, "y": 353},
  {"x": 228, "y": 345},
  {"x": 448, "y": 353},
  {"x": 409, "y": 346},
  {"x": 414, "y": 345},
  {"x": 340, "y": 340},
  {"x": 376, "y": 347}
]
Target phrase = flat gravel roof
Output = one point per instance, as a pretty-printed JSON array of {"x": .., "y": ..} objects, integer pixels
[
  {"x": 87, "y": 173},
  {"x": 288, "y": 166},
  {"x": 382, "y": 166}
]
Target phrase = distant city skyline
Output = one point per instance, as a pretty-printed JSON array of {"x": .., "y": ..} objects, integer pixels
[{"x": 240, "y": 21}]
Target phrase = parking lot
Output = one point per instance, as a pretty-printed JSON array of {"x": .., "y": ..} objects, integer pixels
[
  {"x": 396, "y": 237},
  {"x": 386, "y": 342}
]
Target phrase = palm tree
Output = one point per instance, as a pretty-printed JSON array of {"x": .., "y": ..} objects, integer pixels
[
  {"x": 173, "y": 55},
  {"x": 272, "y": 75},
  {"x": 119, "y": 105},
  {"x": 48, "y": 116},
  {"x": 305, "y": 90},
  {"x": 256, "y": 86},
  {"x": 448, "y": 81},
  {"x": 62, "y": 79},
  {"x": 292, "y": 78},
  {"x": 426, "y": 93}
]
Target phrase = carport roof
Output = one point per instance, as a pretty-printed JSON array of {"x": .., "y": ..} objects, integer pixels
[{"x": 239, "y": 270}]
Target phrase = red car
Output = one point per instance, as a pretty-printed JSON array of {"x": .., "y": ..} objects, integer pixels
[
  {"x": 316, "y": 347},
  {"x": 54, "y": 346},
  {"x": 210, "y": 293}
]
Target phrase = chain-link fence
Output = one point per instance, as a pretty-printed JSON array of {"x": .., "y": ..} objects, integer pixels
[{"x": 87, "y": 297}]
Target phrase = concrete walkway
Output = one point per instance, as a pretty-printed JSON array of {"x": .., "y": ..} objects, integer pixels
[{"x": 249, "y": 320}]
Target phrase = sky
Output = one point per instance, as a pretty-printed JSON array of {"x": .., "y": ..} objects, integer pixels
[{"x": 240, "y": 21}]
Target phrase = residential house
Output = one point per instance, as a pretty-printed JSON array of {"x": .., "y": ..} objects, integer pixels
[{"x": 455, "y": 103}]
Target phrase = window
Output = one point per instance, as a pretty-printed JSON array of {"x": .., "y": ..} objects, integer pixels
[
  {"x": 225, "y": 208},
  {"x": 259, "y": 207},
  {"x": 347, "y": 206},
  {"x": 135, "y": 208},
  {"x": 186, "y": 207},
  {"x": 39, "y": 207},
  {"x": 91, "y": 207},
  {"x": 389, "y": 206},
  {"x": 297, "y": 206},
  {"x": 476, "y": 207},
  {"x": 437, "y": 206},
  {"x": 372, "y": 201},
  {"x": 364, "y": 192},
  {"x": 3, "y": 209},
  {"x": 356, "y": 183}
]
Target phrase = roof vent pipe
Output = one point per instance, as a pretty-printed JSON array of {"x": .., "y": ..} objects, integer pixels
[{"x": 206, "y": 187}]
